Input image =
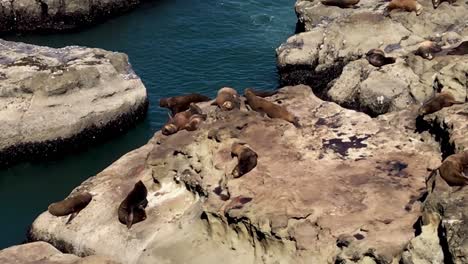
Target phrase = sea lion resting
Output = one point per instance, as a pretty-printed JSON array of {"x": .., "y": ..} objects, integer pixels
[
  {"x": 188, "y": 120},
  {"x": 439, "y": 101},
  {"x": 427, "y": 49},
  {"x": 71, "y": 205},
  {"x": 377, "y": 58},
  {"x": 227, "y": 99},
  {"x": 271, "y": 109},
  {"x": 407, "y": 5},
  {"x": 453, "y": 169},
  {"x": 340, "y": 3},
  {"x": 132, "y": 208},
  {"x": 182, "y": 102},
  {"x": 436, "y": 3},
  {"x": 247, "y": 159}
]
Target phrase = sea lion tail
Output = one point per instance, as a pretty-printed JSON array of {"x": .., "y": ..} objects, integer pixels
[{"x": 72, "y": 215}]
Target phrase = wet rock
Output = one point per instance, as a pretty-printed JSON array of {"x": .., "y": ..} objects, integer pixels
[
  {"x": 57, "y": 100},
  {"x": 54, "y": 15},
  {"x": 342, "y": 189},
  {"x": 330, "y": 54},
  {"x": 44, "y": 253}
]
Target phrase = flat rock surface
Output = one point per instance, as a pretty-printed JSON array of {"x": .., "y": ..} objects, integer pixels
[
  {"x": 54, "y": 15},
  {"x": 330, "y": 54},
  {"x": 44, "y": 253},
  {"x": 344, "y": 187},
  {"x": 50, "y": 95}
]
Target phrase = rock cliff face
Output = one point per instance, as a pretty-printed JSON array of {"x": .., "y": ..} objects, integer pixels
[
  {"x": 344, "y": 188},
  {"x": 56, "y": 100},
  {"x": 330, "y": 54},
  {"x": 58, "y": 15},
  {"x": 41, "y": 252}
]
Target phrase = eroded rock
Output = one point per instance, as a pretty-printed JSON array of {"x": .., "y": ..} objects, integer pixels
[
  {"x": 343, "y": 188},
  {"x": 55, "y": 100},
  {"x": 330, "y": 55}
]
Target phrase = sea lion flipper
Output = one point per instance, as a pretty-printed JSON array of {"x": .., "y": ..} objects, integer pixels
[
  {"x": 72, "y": 215},
  {"x": 296, "y": 123},
  {"x": 130, "y": 218}
]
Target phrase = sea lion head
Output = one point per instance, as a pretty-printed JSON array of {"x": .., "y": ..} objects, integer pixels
[
  {"x": 419, "y": 9},
  {"x": 166, "y": 102},
  {"x": 427, "y": 48},
  {"x": 169, "y": 129}
]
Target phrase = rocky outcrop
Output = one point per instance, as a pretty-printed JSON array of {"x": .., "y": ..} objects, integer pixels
[
  {"x": 57, "y": 100},
  {"x": 54, "y": 15},
  {"x": 343, "y": 188},
  {"x": 330, "y": 55},
  {"x": 44, "y": 253}
]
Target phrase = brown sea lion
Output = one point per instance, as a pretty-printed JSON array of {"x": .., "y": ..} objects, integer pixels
[
  {"x": 271, "y": 109},
  {"x": 461, "y": 49},
  {"x": 132, "y": 208},
  {"x": 189, "y": 120},
  {"x": 182, "y": 102},
  {"x": 247, "y": 159},
  {"x": 340, "y": 3},
  {"x": 71, "y": 205},
  {"x": 376, "y": 57},
  {"x": 227, "y": 99},
  {"x": 407, "y": 5},
  {"x": 439, "y": 101},
  {"x": 453, "y": 169},
  {"x": 427, "y": 49},
  {"x": 436, "y": 3}
]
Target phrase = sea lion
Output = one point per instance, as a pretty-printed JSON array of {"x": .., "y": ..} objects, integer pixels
[
  {"x": 453, "y": 169},
  {"x": 436, "y": 3},
  {"x": 227, "y": 99},
  {"x": 132, "y": 208},
  {"x": 271, "y": 109},
  {"x": 340, "y": 3},
  {"x": 439, "y": 101},
  {"x": 71, "y": 205},
  {"x": 189, "y": 120},
  {"x": 427, "y": 49},
  {"x": 376, "y": 57},
  {"x": 247, "y": 159},
  {"x": 182, "y": 102},
  {"x": 264, "y": 94},
  {"x": 407, "y": 5},
  {"x": 461, "y": 49}
]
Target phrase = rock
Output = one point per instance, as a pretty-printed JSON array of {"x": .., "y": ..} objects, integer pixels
[
  {"x": 44, "y": 253},
  {"x": 345, "y": 188},
  {"x": 56, "y": 100},
  {"x": 330, "y": 55},
  {"x": 54, "y": 15}
]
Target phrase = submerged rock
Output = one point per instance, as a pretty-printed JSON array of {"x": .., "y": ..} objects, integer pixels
[
  {"x": 344, "y": 188},
  {"x": 44, "y": 253},
  {"x": 330, "y": 54},
  {"x": 57, "y": 100},
  {"x": 53, "y": 15}
]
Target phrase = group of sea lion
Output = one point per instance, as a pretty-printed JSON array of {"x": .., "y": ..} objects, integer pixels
[
  {"x": 406, "y": 5},
  {"x": 186, "y": 115},
  {"x": 130, "y": 211}
]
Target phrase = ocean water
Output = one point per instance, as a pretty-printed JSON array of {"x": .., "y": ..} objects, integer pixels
[{"x": 176, "y": 47}]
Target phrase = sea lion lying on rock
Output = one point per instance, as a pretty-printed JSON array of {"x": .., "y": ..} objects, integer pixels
[
  {"x": 439, "y": 101},
  {"x": 453, "y": 169},
  {"x": 340, "y": 3},
  {"x": 188, "y": 120},
  {"x": 427, "y": 49},
  {"x": 407, "y": 5},
  {"x": 247, "y": 159},
  {"x": 227, "y": 99},
  {"x": 181, "y": 103},
  {"x": 71, "y": 205},
  {"x": 376, "y": 57},
  {"x": 436, "y": 3},
  {"x": 271, "y": 109},
  {"x": 132, "y": 208}
]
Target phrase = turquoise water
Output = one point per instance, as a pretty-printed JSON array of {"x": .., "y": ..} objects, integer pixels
[{"x": 176, "y": 47}]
